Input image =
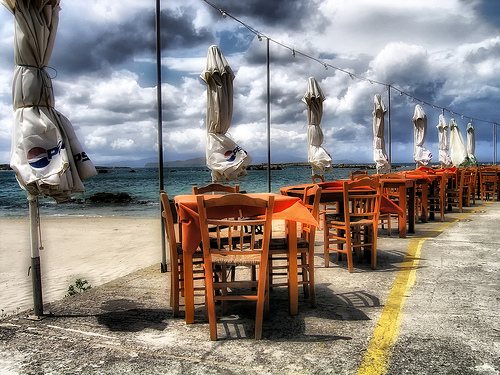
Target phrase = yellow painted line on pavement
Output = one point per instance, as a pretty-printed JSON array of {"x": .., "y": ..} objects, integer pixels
[{"x": 375, "y": 360}]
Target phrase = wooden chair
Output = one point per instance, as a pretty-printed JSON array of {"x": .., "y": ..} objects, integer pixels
[
  {"x": 489, "y": 183},
  {"x": 418, "y": 194},
  {"x": 469, "y": 187},
  {"x": 279, "y": 250},
  {"x": 358, "y": 174},
  {"x": 473, "y": 185},
  {"x": 216, "y": 188},
  {"x": 325, "y": 208},
  {"x": 455, "y": 190},
  {"x": 236, "y": 253},
  {"x": 356, "y": 227},
  {"x": 392, "y": 195},
  {"x": 317, "y": 178},
  {"x": 176, "y": 258},
  {"x": 437, "y": 197}
]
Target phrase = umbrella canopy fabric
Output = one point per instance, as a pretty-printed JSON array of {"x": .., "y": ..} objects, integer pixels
[
  {"x": 471, "y": 144},
  {"x": 444, "y": 134},
  {"x": 421, "y": 155},
  {"x": 458, "y": 150},
  {"x": 46, "y": 154},
  {"x": 317, "y": 156},
  {"x": 225, "y": 158},
  {"x": 379, "y": 155}
]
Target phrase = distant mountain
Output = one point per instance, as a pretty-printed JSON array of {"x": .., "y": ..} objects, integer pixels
[{"x": 196, "y": 162}]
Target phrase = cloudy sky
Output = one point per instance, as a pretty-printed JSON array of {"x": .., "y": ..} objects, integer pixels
[{"x": 445, "y": 53}]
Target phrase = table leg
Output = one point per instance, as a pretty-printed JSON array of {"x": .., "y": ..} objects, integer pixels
[
  {"x": 411, "y": 209},
  {"x": 402, "y": 204},
  {"x": 188, "y": 288},
  {"x": 293, "y": 285},
  {"x": 425, "y": 202}
]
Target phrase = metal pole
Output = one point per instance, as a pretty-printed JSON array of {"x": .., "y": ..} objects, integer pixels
[
  {"x": 36, "y": 275},
  {"x": 389, "y": 125},
  {"x": 268, "y": 121},
  {"x": 494, "y": 144},
  {"x": 160, "y": 129}
]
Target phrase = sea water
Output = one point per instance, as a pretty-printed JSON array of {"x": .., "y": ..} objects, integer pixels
[{"x": 142, "y": 184}]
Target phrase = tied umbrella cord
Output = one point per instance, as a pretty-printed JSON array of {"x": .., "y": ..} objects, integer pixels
[
  {"x": 46, "y": 82},
  {"x": 40, "y": 68}
]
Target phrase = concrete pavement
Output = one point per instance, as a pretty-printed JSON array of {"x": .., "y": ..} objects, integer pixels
[{"x": 431, "y": 306}]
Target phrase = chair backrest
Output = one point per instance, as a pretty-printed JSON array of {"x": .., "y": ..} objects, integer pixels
[
  {"x": 488, "y": 175},
  {"x": 391, "y": 192},
  {"x": 358, "y": 174},
  {"x": 216, "y": 188},
  {"x": 318, "y": 177},
  {"x": 362, "y": 200},
  {"x": 468, "y": 178},
  {"x": 168, "y": 220},
  {"x": 235, "y": 212},
  {"x": 311, "y": 198},
  {"x": 393, "y": 175}
]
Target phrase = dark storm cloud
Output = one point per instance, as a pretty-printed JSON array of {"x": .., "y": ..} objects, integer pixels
[
  {"x": 288, "y": 14},
  {"x": 179, "y": 33},
  {"x": 490, "y": 11},
  {"x": 90, "y": 48}
]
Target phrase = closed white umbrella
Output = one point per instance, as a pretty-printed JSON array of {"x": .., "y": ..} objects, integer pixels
[
  {"x": 471, "y": 144},
  {"x": 458, "y": 151},
  {"x": 379, "y": 155},
  {"x": 443, "y": 134},
  {"x": 225, "y": 158},
  {"x": 46, "y": 154},
  {"x": 421, "y": 155},
  {"x": 317, "y": 156}
]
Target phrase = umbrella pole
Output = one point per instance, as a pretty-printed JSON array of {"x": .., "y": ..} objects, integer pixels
[
  {"x": 36, "y": 276},
  {"x": 389, "y": 126},
  {"x": 163, "y": 267},
  {"x": 494, "y": 144},
  {"x": 268, "y": 119}
]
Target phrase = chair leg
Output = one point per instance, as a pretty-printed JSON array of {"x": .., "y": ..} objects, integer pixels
[
  {"x": 374, "y": 250},
  {"x": 326, "y": 245},
  {"x": 261, "y": 296},
  {"x": 212, "y": 319},
  {"x": 312, "y": 289},
  {"x": 305, "y": 267},
  {"x": 174, "y": 294},
  {"x": 348, "y": 246}
]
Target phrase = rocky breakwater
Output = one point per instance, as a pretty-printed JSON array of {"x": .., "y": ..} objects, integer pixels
[{"x": 109, "y": 198}]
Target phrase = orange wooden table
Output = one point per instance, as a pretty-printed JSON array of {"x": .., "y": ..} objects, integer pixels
[
  {"x": 406, "y": 189},
  {"x": 426, "y": 181},
  {"x": 332, "y": 192},
  {"x": 287, "y": 208}
]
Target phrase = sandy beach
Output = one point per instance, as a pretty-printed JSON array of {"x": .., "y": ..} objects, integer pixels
[{"x": 94, "y": 249}]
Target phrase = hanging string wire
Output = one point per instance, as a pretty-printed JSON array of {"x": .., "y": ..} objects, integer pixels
[{"x": 352, "y": 75}]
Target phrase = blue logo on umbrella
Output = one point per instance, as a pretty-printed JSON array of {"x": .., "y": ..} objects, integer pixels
[
  {"x": 230, "y": 155},
  {"x": 37, "y": 157}
]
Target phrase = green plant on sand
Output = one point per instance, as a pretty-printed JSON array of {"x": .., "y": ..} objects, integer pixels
[{"x": 79, "y": 287}]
